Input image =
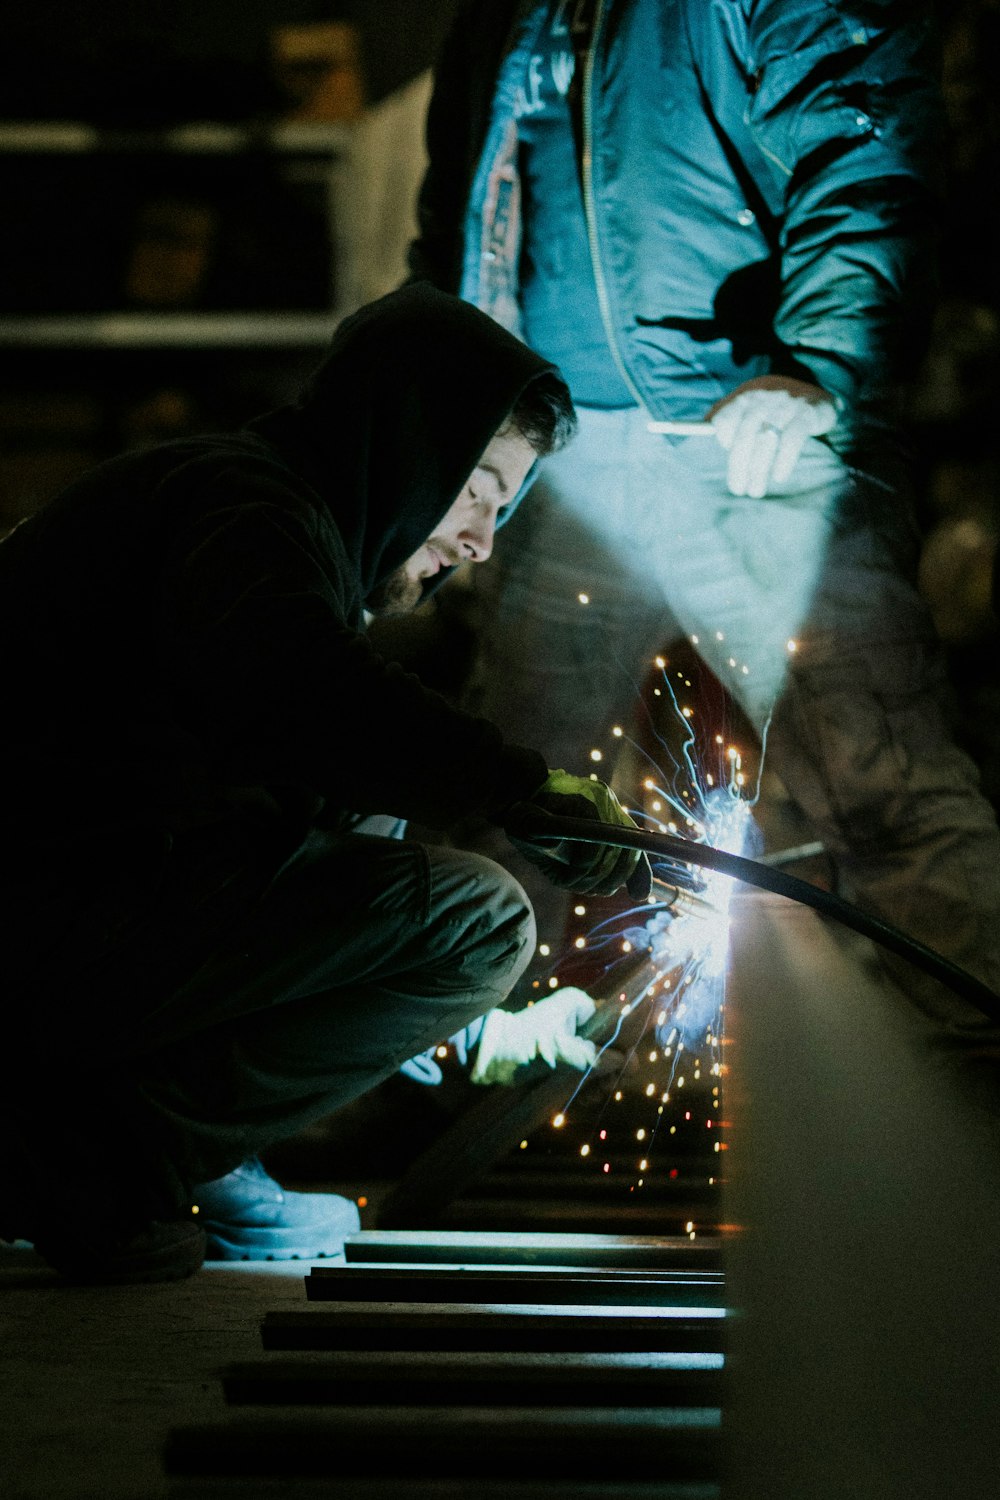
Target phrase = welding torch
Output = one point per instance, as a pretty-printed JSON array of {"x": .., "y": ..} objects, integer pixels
[{"x": 678, "y": 854}]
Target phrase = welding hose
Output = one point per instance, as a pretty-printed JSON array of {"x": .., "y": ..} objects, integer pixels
[{"x": 525, "y": 822}]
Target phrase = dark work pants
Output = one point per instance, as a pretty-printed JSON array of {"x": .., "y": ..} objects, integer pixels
[{"x": 360, "y": 953}]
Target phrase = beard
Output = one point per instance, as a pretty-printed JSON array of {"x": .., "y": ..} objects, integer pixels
[{"x": 399, "y": 594}]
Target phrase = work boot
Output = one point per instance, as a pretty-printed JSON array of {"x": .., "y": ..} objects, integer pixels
[
  {"x": 246, "y": 1215},
  {"x": 157, "y": 1252},
  {"x": 83, "y": 1222}
]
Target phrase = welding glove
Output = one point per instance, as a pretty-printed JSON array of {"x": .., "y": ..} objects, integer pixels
[
  {"x": 590, "y": 869},
  {"x": 546, "y": 1029},
  {"x": 763, "y": 426},
  {"x": 425, "y": 1068}
]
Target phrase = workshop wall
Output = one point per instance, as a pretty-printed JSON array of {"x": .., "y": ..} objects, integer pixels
[
  {"x": 102, "y": 244},
  {"x": 153, "y": 283},
  {"x": 131, "y": 61}
]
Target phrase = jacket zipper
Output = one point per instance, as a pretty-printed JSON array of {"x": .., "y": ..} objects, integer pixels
[{"x": 589, "y": 210}]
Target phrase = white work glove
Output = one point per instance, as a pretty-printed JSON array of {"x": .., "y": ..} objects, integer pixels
[
  {"x": 425, "y": 1068},
  {"x": 546, "y": 1029},
  {"x": 763, "y": 425}
]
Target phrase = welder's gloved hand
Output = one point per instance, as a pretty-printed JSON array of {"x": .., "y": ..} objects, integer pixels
[
  {"x": 763, "y": 426},
  {"x": 590, "y": 869},
  {"x": 425, "y": 1068},
  {"x": 547, "y": 1029}
]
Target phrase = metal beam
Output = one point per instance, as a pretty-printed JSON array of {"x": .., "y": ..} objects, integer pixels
[{"x": 866, "y": 1275}]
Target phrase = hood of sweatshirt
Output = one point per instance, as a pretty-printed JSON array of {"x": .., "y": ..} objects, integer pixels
[{"x": 392, "y": 423}]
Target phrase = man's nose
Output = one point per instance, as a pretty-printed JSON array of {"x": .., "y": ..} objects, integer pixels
[{"x": 477, "y": 539}]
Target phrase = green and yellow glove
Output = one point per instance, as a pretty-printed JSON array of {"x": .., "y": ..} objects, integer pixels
[
  {"x": 547, "y": 1029},
  {"x": 590, "y": 869}
]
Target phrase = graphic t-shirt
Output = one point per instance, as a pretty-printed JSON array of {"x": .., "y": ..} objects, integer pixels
[{"x": 562, "y": 315}]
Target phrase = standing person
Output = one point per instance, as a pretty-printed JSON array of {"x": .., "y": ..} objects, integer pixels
[
  {"x": 716, "y": 214},
  {"x": 204, "y": 951}
]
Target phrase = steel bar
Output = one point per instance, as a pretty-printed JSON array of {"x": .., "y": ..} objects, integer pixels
[
  {"x": 536, "y": 1285},
  {"x": 565, "y": 1182},
  {"x": 586, "y": 1444},
  {"x": 569, "y": 1251},
  {"x": 435, "y": 1379},
  {"x": 355, "y": 1487},
  {"x": 447, "y": 1327},
  {"x": 534, "y": 1216}
]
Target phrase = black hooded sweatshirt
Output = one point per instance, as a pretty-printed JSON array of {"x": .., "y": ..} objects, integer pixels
[{"x": 184, "y": 626}]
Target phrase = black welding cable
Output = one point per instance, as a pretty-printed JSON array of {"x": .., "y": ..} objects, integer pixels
[{"x": 526, "y": 822}]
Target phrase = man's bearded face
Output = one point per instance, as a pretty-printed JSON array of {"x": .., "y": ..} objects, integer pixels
[{"x": 465, "y": 533}]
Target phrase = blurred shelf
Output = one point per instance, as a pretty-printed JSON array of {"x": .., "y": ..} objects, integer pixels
[
  {"x": 138, "y": 330},
  {"x": 314, "y": 157},
  {"x": 206, "y": 138}
]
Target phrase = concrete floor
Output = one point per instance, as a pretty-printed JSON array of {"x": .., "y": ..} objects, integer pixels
[
  {"x": 847, "y": 1160},
  {"x": 93, "y": 1378}
]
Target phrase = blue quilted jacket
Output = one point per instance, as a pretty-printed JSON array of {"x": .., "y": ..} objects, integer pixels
[{"x": 758, "y": 180}]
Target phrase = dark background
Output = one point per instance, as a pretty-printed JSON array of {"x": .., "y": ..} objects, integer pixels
[
  {"x": 74, "y": 231},
  {"x": 139, "y": 230},
  {"x": 145, "y": 60},
  {"x": 150, "y": 63},
  {"x": 249, "y": 236}
]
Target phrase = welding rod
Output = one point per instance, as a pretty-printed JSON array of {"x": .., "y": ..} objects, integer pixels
[{"x": 682, "y": 429}]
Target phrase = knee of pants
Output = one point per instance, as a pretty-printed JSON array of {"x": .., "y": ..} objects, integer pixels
[{"x": 489, "y": 913}]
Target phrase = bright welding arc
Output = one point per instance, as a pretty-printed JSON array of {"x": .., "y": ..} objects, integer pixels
[{"x": 528, "y": 823}]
